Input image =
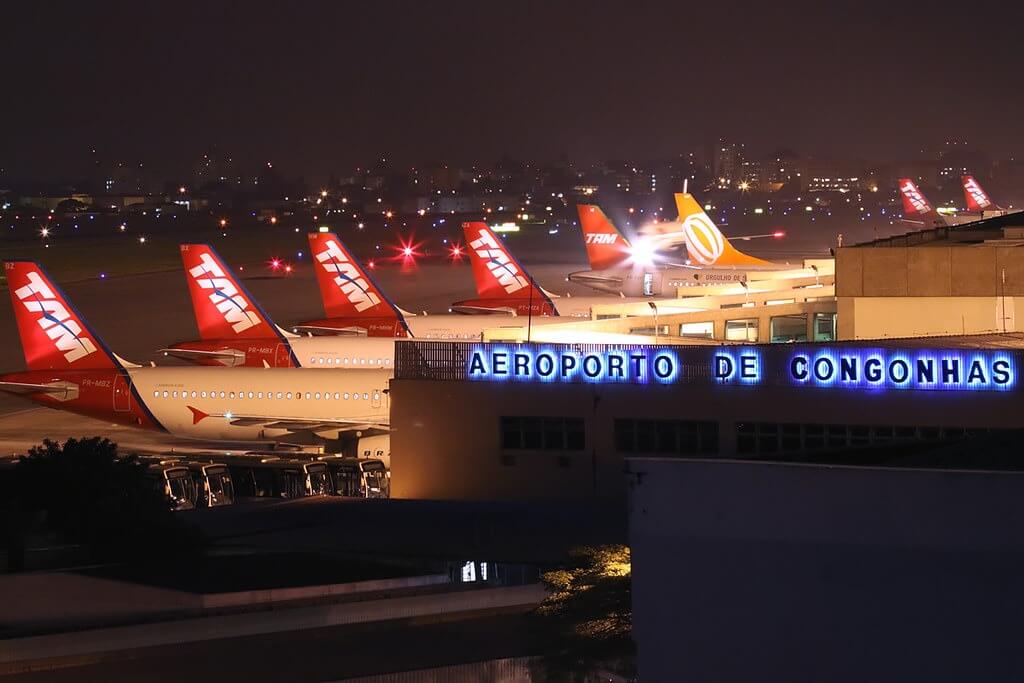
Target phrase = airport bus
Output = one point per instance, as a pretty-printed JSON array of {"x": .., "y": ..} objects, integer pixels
[
  {"x": 358, "y": 477},
  {"x": 174, "y": 480},
  {"x": 213, "y": 483},
  {"x": 256, "y": 476}
]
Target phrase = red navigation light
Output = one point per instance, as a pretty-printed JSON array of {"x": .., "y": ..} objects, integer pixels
[
  {"x": 456, "y": 252},
  {"x": 275, "y": 264},
  {"x": 371, "y": 264},
  {"x": 287, "y": 269},
  {"x": 406, "y": 251},
  {"x": 779, "y": 233}
]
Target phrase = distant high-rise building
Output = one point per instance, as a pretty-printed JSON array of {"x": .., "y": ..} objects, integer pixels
[
  {"x": 728, "y": 163},
  {"x": 957, "y": 160}
]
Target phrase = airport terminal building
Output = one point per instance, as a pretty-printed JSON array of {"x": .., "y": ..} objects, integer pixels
[{"x": 510, "y": 421}]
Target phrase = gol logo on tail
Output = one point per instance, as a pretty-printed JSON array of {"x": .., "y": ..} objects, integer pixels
[{"x": 703, "y": 240}]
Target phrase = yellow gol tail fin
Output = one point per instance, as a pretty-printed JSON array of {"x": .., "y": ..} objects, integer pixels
[{"x": 705, "y": 243}]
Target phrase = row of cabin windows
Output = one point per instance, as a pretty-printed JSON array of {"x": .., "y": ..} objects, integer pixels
[
  {"x": 344, "y": 361},
  {"x": 284, "y": 395},
  {"x": 770, "y": 437},
  {"x": 667, "y": 437}
]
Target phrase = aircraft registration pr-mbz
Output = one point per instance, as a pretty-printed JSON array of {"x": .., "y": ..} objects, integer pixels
[
  {"x": 619, "y": 267},
  {"x": 70, "y": 368}
]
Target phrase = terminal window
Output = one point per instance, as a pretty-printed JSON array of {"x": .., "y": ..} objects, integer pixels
[
  {"x": 542, "y": 433},
  {"x": 789, "y": 328},
  {"x": 666, "y": 437},
  {"x": 744, "y": 329},
  {"x": 824, "y": 327},
  {"x": 697, "y": 330},
  {"x": 754, "y": 438}
]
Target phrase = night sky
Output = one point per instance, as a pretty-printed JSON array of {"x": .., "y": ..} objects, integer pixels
[{"x": 321, "y": 87}]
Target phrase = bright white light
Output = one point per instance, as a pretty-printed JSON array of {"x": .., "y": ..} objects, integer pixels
[{"x": 642, "y": 253}]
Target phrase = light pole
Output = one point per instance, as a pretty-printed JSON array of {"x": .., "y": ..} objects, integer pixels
[{"x": 654, "y": 307}]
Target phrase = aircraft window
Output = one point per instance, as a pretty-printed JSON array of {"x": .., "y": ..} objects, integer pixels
[
  {"x": 330, "y": 361},
  {"x": 337, "y": 395},
  {"x": 259, "y": 394},
  {"x": 312, "y": 360},
  {"x": 203, "y": 394},
  {"x": 231, "y": 395},
  {"x": 376, "y": 395},
  {"x": 250, "y": 394},
  {"x": 317, "y": 396},
  {"x": 355, "y": 397},
  {"x": 362, "y": 361},
  {"x": 156, "y": 394},
  {"x": 174, "y": 394},
  {"x": 366, "y": 396},
  {"x": 166, "y": 394},
  {"x": 387, "y": 361},
  {"x": 344, "y": 360},
  {"x": 346, "y": 395},
  {"x": 298, "y": 395},
  {"x": 287, "y": 396},
  {"x": 321, "y": 361},
  {"x": 222, "y": 394},
  {"x": 307, "y": 395},
  {"x": 194, "y": 394}
]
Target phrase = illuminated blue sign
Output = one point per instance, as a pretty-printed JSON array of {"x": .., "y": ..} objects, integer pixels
[
  {"x": 893, "y": 369},
  {"x": 549, "y": 364},
  {"x": 818, "y": 366}
]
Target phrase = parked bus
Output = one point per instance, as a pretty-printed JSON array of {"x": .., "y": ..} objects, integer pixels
[
  {"x": 213, "y": 483},
  {"x": 358, "y": 477},
  {"x": 174, "y": 480},
  {"x": 256, "y": 476}
]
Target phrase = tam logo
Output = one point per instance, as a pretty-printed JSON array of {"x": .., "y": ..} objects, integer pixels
[
  {"x": 56, "y": 320},
  {"x": 347, "y": 277},
  {"x": 225, "y": 296},
  {"x": 703, "y": 240},
  {"x": 915, "y": 197},
  {"x": 607, "y": 238},
  {"x": 498, "y": 262},
  {"x": 977, "y": 194}
]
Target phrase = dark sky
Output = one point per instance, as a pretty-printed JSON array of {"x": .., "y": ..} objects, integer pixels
[{"x": 317, "y": 87}]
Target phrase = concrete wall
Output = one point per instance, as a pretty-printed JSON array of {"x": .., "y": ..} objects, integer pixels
[
  {"x": 928, "y": 290},
  {"x": 824, "y": 573},
  {"x": 910, "y": 316}
]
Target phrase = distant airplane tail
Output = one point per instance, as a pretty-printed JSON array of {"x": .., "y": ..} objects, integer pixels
[
  {"x": 606, "y": 246},
  {"x": 705, "y": 243},
  {"x": 977, "y": 199},
  {"x": 54, "y": 336},
  {"x": 501, "y": 281},
  {"x": 915, "y": 205},
  {"x": 223, "y": 307},
  {"x": 347, "y": 290}
]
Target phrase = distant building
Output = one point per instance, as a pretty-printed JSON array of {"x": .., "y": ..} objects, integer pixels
[{"x": 727, "y": 165}]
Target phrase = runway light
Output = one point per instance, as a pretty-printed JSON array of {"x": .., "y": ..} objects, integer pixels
[
  {"x": 273, "y": 220},
  {"x": 103, "y": 276},
  {"x": 45, "y": 232},
  {"x": 287, "y": 269},
  {"x": 223, "y": 222},
  {"x": 142, "y": 240}
]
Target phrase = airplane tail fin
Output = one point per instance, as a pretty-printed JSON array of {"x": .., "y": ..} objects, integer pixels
[
  {"x": 705, "y": 243},
  {"x": 223, "y": 307},
  {"x": 606, "y": 246},
  {"x": 977, "y": 199},
  {"x": 496, "y": 271},
  {"x": 54, "y": 336},
  {"x": 346, "y": 289},
  {"x": 914, "y": 203}
]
